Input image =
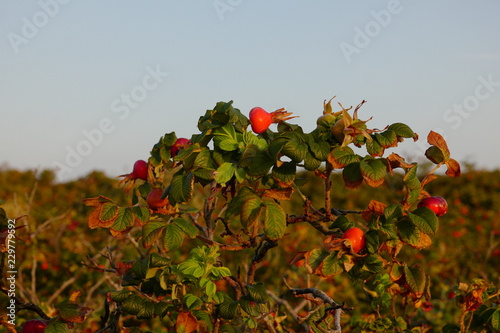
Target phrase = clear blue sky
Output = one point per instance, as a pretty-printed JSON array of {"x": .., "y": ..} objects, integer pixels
[{"x": 126, "y": 72}]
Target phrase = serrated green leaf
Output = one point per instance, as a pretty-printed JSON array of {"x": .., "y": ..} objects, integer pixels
[
  {"x": 147, "y": 311},
  {"x": 181, "y": 188},
  {"x": 192, "y": 302},
  {"x": 133, "y": 305},
  {"x": 275, "y": 220},
  {"x": 173, "y": 237},
  {"x": 228, "y": 309},
  {"x": 410, "y": 179},
  {"x": 332, "y": 265},
  {"x": 220, "y": 272},
  {"x": 225, "y": 172},
  {"x": 204, "y": 317},
  {"x": 340, "y": 157},
  {"x": 435, "y": 155},
  {"x": 124, "y": 219},
  {"x": 156, "y": 260},
  {"x": 412, "y": 196},
  {"x": 210, "y": 288},
  {"x": 190, "y": 230},
  {"x": 408, "y": 231},
  {"x": 387, "y": 138},
  {"x": 416, "y": 279},
  {"x": 374, "y": 148},
  {"x": 372, "y": 263},
  {"x": 372, "y": 241},
  {"x": 257, "y": 292},
  {"x": 311, "y": 163},
  {"x": 402, "y": 130},
  {"x": 141, "y": 213},
  {"x": 393, "y": 212},
  {"x": 286, "y": 173},
  {"x": 425, "y": 219},
  {"x": 495, "y": 320},
  {"x": 108, "y": 211},
  {"x": 352, "y": 176},
  {"x": 250, "y": 212},
  {"x": 320, "y": 150},
  {"x": 250, "y": 307},
  {"x": 120, "y": 296},
  {"x": 190, "y": 267},
  {"x": 373, "y": 171},
  {"x": 151, "y": 231},
  {"x": 161, "y": 309}
]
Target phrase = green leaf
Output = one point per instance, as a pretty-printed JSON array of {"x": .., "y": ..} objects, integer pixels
[
  {"x": 408, "y": 231},
  {"x": 226, "y": 138},
  {"x": 373, "y": 264},
  {"x": 147, "y": 311},
  {"x": 410, "y": 179},
  {"x": 332, "y": 265},
  {"x": 374, "y": 148},
  {"x": 340, "y": 157},
  {"x": 435, "y": 155},
  {"x": 425, "y": 219},
  {"x": 151, "y": 231},
  {"x": 161, "y": 309},
  {"x": 275, "y": 220},
  {"x": 352, "y": 176},
  {"x": 228, "y": 309},
  {"x": 156, "y": 260},
  {"x": 141, "y": 213},
  {"x": 173, "y": 237},
  {"x": 108, "y": 211},
  {"x": 416, "y": 279},
  {"x": 373, "y": 171},
  {"x": 133, "y": 305},
  {"x": 387, "y": 138},
  {"x": 402, "y": 130},
  {"x": 186, "y": 227},
  {"x": 250, "y": 307},
  {"x": 192, "y": 302},
  {"x": 372, "y": 241},
  {"x": 124, "y": 219},
  {"x": 120, "y": 296},
  {"x": 320, "y": 150},
  {"x": 56, "y": 327},
  {"x": 181, "y": 188},
  {"x": 311, "y": 163},
  {"x": 250, "y": 212},
  {"x": 286, "y": 173},
  {"x": 342, "y": 223},
  {"x": 204, "y": 317},
  {"x": 393, "y": 212},
  {"x": 190, "y": 267},
  {"x": 210, "y": 288},
  {"x": 225, "y": 172},
  {"x": 220, "y": 272},
  {"x": 258, "y": 292}
]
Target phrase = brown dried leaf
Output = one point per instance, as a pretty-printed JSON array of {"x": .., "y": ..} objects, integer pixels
[
  {"x": 423, "y": 242},
  {"x": 186, "y": 322},
  {"x": 437, "y": 140},
  {"x": 279, "y": 194},
  {"x": 94, "y": 202},
  {"x": 453, "y": 168},
  {"x": 374, "y": 207},
  {"x": 427, "y": 179},
  {"x": 396, "y": 161}
]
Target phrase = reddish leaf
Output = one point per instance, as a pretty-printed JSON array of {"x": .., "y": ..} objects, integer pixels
[
  {"x": 186, "y": 322},
  {"x": 437, "y": 140},
  {"x": 396, "y": 161},
  {"x": 453, "y": 168}
]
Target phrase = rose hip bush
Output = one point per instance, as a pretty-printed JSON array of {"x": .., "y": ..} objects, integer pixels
[{"x": 244, "y": 178}]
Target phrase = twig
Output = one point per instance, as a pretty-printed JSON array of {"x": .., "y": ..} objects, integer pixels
[{"x": 258, "y": 257}]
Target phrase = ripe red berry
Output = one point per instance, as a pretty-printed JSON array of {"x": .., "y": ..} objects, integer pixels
[
  {"x": 154, "y": 199},
  {"x": 140, "y": 170},
  {"x": 34, "y": 326},
  {"x": 357, "y": 238},
  {"x": 179, "y": 144},
  {"x": 437, "y": 204},
  {"x": 260, "y": 119}
]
